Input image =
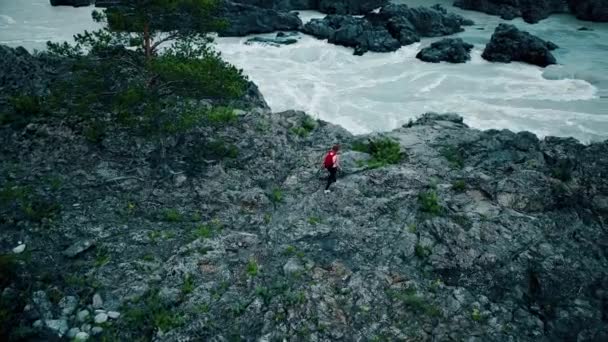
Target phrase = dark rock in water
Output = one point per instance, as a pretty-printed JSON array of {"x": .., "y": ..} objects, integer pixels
[
  {"x": 510, "y": 44},
  {"x": 247, "y": 19},
  {"x": 593, "y": 10},
  {"x": 391, "y": 28},
  {"x": 74, "y": 3},
  {"x": 353, "y": 32},
  {"x": 530, "y": 10},
  {"x": 453, "y": 50},
  {"x": 533, "y": 11},
  {"x": 349, "y": 6},
  {"x": 583, "y": 28},
  {"x": 280, "y": 39}
]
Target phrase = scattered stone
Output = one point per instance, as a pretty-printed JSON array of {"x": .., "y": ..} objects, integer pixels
[
  {"x": 82, "y": 315},
  {"x": 78, "y": 247},
  {"x": 37, "y": 324},
  {"x": 42, "y": 304},
  {"x": 86, "y": 327},
  {"x": 19, "y": 249},
  {"x": 113, "y": 314},
  {"x": 59, "y": 326},
  {"x": 510, "y": 44},
  {"x": 101, "y": 318},
  {"x": 293, "y": 266},
  {"x": 68, "y": 305},
  {"x": 453, "y": 50},
  {"x": 97, "y": 301},
  {"x": 72, "y": 332},
  {"x": 81, "y": 336},
  {"x": 96, "y": 331}
]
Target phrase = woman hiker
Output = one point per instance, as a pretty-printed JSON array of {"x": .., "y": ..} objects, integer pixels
[{"x": 332, "y": 163}]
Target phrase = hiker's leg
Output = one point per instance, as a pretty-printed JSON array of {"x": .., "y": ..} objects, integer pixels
[{"x": 332, "y": 177}]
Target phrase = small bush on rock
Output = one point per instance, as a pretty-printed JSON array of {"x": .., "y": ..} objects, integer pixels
[
  {"x": 384, "y": 151},
  {"x": 459, "y": 186},
  {"x": 454, "y": 156},
  {"x": 429, "y": 203}
]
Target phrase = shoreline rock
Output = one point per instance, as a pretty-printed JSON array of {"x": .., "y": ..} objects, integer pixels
[
  {"x": 389, "y": 29},
  {"x": 510, "y": 44},
  {"x": 452, "y": 50}
]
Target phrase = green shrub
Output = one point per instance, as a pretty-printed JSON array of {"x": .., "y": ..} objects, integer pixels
[
  {"x": 94, "y": 132},
  {"x": 429, "y": 203},
  {"x": 20, "y": 203},
  {"x": 422, "y": 252},
  {"x": 252, "y": 268},
  {"x": 314, "y": 220},
  {"x": 562, "y": 170},
  {"x": 462, "y": 221},
  {"x": 384, "y": 151},
  {"x": 8, "y": 267},
  {"x": 453, "y": 156},
  {"x": 476, "y": 315},
  {"x": 309, "y": 123},
  {"x": 150, "y": 314},
  {"x": 306, "y": 126},
  {"x": 219, "y": 149},
  {"x": 276, "y": 196},
  {"x": 221, "y": 116},
  {"x": 24, "y": 108},
  {"x": 203, "y": 231},
  {"x": 172, "y": 215},
  {"x": 187, "y": 285},
  {"x": 459, "y": 186}
]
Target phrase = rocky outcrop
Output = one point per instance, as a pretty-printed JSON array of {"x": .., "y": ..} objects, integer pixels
[
  {"x": 246, "y": 19},
  {"x": 532, "y": 11},
  {"x": 510, "y": 44},
  {"x": 392, "y": 27},
  {"x": 23, "y": 73},
  {"x": 441, "y": 232},
  {"x": 453, "y": 50},
  {"x": 74, "y": 3}
]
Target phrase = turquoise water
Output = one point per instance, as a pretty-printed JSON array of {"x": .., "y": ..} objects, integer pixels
[{"x": 379, "y": 92}]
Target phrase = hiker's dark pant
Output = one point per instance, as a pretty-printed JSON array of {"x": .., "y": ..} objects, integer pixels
[{"x": 332, "y": 176}]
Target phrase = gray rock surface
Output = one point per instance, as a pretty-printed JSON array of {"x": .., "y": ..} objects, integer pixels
[
  {"x": 78, "y": 247},
  {"x": 469, "y": 236}
]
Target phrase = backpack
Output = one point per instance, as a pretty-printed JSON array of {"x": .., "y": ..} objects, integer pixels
[{"x": 329, "y": 159}]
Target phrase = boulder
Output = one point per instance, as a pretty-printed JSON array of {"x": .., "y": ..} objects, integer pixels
[
  {"x": 453, "y": 50},
  {"x": 510, "y": 44},
  {"x": 244, "y": 19}
]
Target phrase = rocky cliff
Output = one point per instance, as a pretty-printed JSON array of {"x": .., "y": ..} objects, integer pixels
[{"x": 434, "y": 231}]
